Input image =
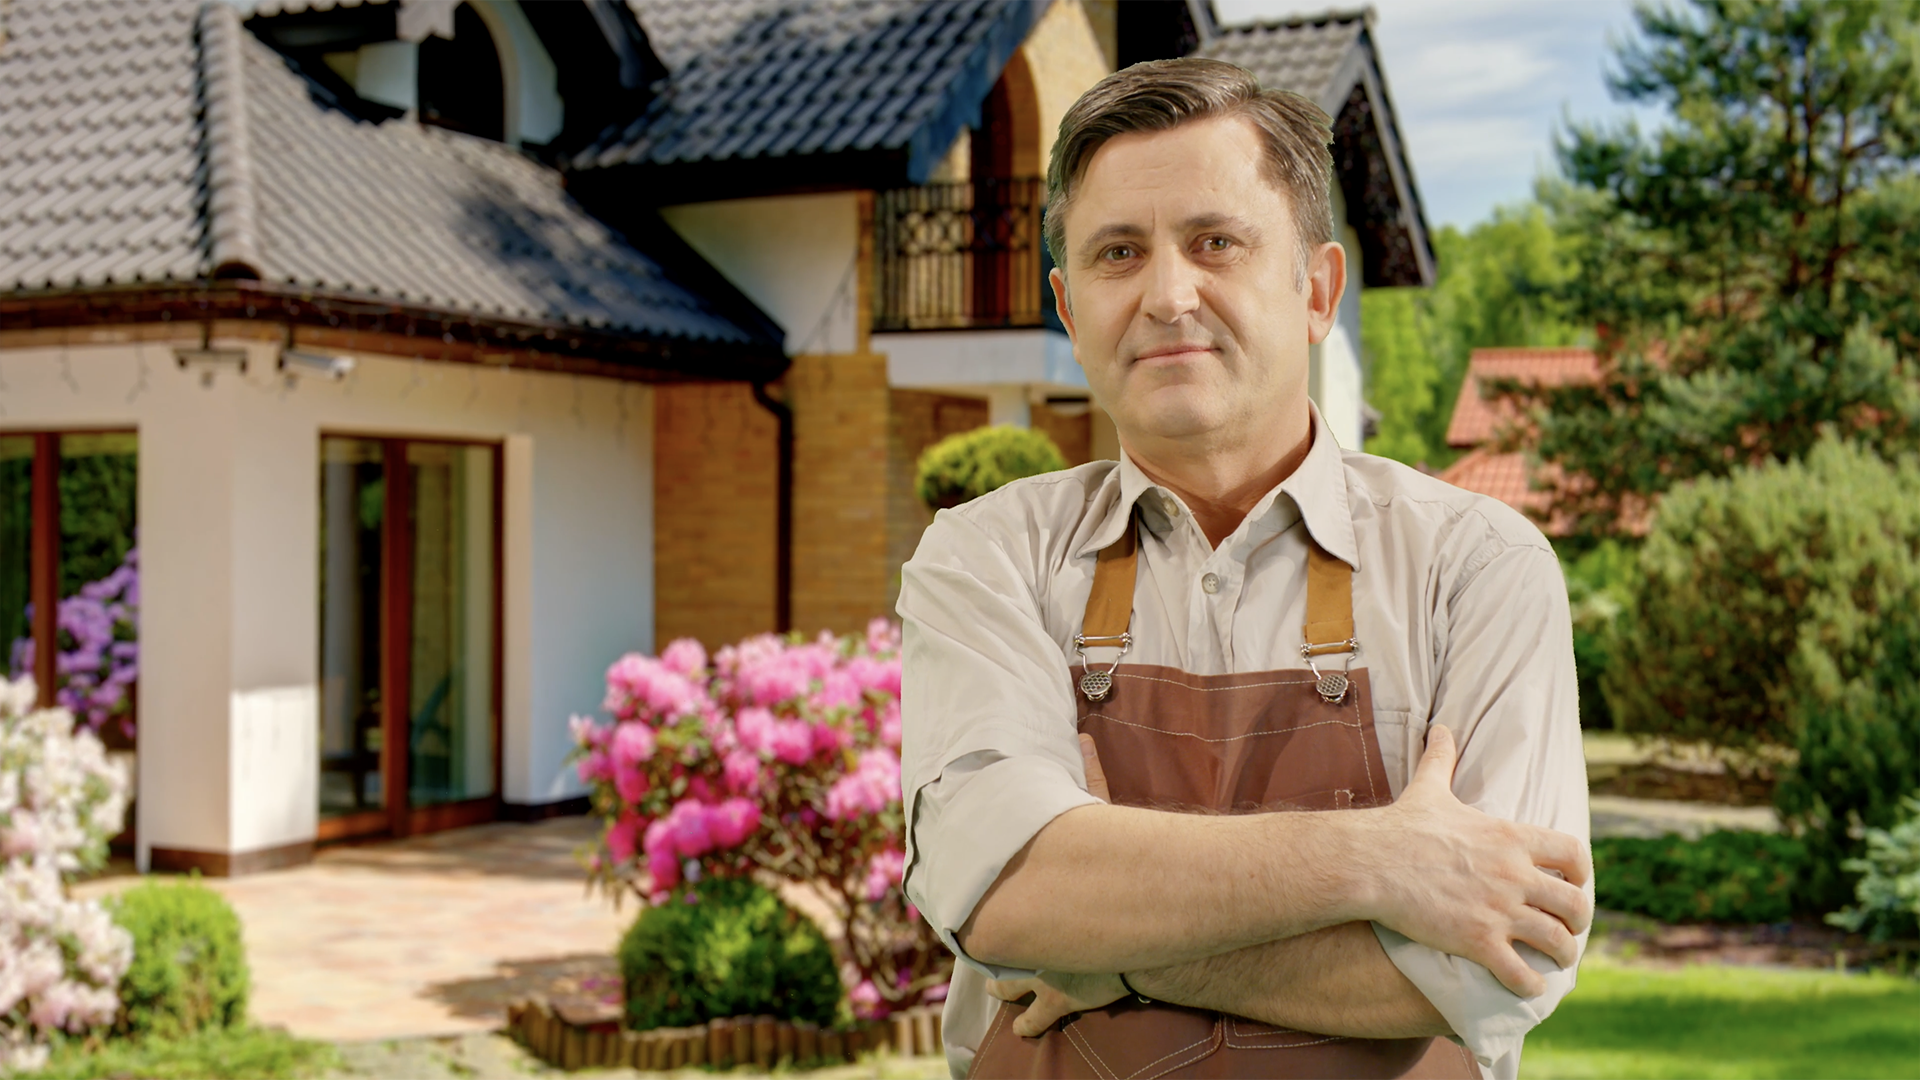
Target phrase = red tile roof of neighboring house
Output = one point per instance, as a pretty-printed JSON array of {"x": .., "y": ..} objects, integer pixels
[
  {"x": 1476, "y": 420},
  {"x": 1505, "y": 476}
]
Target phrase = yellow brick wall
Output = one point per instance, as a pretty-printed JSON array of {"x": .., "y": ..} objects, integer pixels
[
  {"x": 840, "y": 421},
  {"x": 1072, "y": 434},
  {"x": 715, "y": 476},
  {"x": 919, "y": 420}
]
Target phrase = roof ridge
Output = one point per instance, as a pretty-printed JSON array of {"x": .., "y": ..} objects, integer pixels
[
  {"x": 233, "y": 235},
  {"x": 1363, "y": 14}
]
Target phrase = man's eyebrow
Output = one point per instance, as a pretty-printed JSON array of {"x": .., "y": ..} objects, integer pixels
[
  {"x": 1227, "y": 222},
  {"x": 1106, "y": 234}
]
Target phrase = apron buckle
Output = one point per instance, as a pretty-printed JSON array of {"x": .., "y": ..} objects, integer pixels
[
  {"x": 1332, "y": 686},
  {"x": 1098, "y": 684}
]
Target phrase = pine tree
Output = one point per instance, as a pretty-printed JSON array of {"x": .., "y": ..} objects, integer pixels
[{"x": 1749, "y": 267}]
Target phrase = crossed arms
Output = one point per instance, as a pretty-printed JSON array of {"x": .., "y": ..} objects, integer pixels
[{"x": 1198, "y": 916}]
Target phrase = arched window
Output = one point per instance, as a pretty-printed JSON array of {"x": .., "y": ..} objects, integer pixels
[{"x": 461, "y": 86}]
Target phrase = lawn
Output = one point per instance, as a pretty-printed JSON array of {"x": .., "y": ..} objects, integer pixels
[{"x": 1711, "y": 1022}]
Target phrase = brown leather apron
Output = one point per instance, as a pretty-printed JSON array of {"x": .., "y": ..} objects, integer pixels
[{"x": 1273, "y": 740}]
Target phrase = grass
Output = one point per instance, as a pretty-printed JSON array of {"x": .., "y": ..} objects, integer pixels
[
  {"x": 1707, "y": 1022},
  {"x": 249, "y": 1053}
]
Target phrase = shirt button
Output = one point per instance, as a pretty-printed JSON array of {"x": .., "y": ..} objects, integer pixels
[
  {"x": 1172, "y": 508},
  {"x": 1210, "y": 583}
]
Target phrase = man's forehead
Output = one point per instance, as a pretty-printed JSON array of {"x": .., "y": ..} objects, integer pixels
[{"x": 1200, "y": 169}]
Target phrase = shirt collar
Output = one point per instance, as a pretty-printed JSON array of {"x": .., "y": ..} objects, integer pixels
[{"x": 1318, "y": 488}]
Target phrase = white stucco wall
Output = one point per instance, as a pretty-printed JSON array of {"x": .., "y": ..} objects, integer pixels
[
  {"x": 796, "y": 256},
  {"x": 1336, "y": 380},
  {"x": 229, "y": 521}
]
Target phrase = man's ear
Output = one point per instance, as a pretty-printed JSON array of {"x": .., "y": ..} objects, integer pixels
[
  {"x": 1326, "y": 282},
  {"x": 1062, "y": 303}
]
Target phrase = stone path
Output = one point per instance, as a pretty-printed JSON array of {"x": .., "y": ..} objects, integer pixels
[{"x": 388, "y": 940}]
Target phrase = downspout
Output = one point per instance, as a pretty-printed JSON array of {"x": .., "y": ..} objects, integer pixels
[{"x": 783, "y": 511}]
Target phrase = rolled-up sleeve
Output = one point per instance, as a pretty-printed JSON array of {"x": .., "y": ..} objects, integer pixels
[
  {"x": 1507, "y": 690},
  {"x": 988, "y": 751}
]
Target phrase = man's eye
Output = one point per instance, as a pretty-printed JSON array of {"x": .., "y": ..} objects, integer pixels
[
  {"x": 1216, "y": 243},
  {"x": 1118, "y": 253}
]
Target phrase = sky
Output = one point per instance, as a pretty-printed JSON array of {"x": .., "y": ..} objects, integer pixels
[{"x": 1480, "y": 87}]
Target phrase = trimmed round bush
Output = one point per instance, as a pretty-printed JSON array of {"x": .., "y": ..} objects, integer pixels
[
  {"x": 968, "y": 465},
  {"x": 1723, "y": 877},
  {"x": 189, "y": 968},
  {"x": 726, "y": 947}
]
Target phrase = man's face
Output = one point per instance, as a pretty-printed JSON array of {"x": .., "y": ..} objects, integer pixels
[{"x": 1180, "y": 280}]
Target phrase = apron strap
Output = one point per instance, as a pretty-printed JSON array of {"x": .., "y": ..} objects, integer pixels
[{"x": 1109, "y": 614}]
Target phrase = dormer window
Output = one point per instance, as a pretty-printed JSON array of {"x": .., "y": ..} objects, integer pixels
[{"x": 460, "y": 83}]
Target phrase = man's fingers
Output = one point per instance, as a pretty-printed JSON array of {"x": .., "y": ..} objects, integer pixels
[
  {"x": 1548, "y": 934},
  {"x": 1563, "y": 901},
  {"x": 1513, "y": 972},
  {"x": 1553, "y": 850},
  {"x": 1436, "y": 764},
  {"x": 1049, "y": 1005},
  {"x": 1096, "y": 776}
]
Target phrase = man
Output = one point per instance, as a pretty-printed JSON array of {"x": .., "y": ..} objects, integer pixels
[{"x": 1119, "y": 678}]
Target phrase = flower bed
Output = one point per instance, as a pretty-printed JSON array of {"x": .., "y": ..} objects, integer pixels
[{"x": 776, "y": 758}]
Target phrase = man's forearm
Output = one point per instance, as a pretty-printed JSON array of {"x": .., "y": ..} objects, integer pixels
[
  {"x": 1113, "y": 888},
  {"x": 1334, "y": 981}
]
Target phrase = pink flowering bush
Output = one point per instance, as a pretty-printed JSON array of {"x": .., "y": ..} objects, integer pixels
[
  {"x": 61, "y": 960},
  {"x": 778, "y": 758}
]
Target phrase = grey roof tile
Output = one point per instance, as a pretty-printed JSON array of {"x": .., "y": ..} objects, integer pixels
[
  {"x": 1301, "y": 55},
  {"x": 106, "y": 178},
  {"x": 741, "y": 65}
]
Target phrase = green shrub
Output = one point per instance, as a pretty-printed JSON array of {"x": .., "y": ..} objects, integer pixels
[
  {"x": 1888, "y": 894},
  {"x": 1599, "y": 584},
  {"x": 726, "y": 948},
  {"x": 972, "y": 463},
  {"x": 189, "y": 968},
  {"x": 1780, "y": 607},
  {"x": 1723, "y": 877}
]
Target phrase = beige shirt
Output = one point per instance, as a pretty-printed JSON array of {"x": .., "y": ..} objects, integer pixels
[{"x": 1459, "y": 608}]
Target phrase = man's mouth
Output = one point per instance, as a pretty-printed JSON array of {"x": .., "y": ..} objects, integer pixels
[{"x": 1181, "y": 352}]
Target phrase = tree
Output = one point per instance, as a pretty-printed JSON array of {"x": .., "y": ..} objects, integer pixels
[
  {"x": 1749, "y": 266},
  {"x": 1497, "y": 285}
]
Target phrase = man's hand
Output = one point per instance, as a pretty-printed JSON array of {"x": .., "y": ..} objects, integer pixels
[
  {"x": 1465, "y": 883},
  {"x": 1055, "y": 996}
]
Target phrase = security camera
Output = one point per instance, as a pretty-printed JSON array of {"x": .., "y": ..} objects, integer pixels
[{"x": 325, "y": 365}]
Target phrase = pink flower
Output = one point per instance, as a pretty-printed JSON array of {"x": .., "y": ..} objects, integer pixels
[
  {"x": 884, "y": 872},
  {"x": 935, "y": 993},
  {"x": 828, "y": 739},
  {"x": 874, "y": 675},
  {"x": 632, "y": 744},
  {"x": 792, "y": 741},
  {"x": 742, "y": 772},
  {"x": 640, "y": 687},
  {"x": 890, "y": 724},
  {"x": 687, "y": 829},
  {"x": 754, "y": 728},
  {"x": 869, "y": 788},
  {"x": 632, "y": 784},
  {"x": 865, "y": 1000},
  {"x": 685, "y": 656},
  {"x": 623, "y": 837},
  {"x": 596, "y": 766},
  {"x": 838, "y": 690},
  {"x": 731, "y": 822},
  {"x": 883, "y": 636}
]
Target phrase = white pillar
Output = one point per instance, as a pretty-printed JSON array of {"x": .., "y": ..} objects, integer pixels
[{"x": 1007, "y": 404}]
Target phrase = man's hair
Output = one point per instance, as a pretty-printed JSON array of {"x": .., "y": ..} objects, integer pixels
[{"x": 1162, "y": 94}]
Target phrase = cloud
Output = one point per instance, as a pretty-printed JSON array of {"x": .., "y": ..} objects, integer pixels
[{"x": 1479, "y": 86}]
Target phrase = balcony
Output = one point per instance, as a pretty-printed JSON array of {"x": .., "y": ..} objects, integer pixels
[{"x": 960, "y": 256}]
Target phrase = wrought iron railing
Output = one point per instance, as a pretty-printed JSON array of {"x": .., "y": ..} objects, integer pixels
[{"x": 959, "y": 256}]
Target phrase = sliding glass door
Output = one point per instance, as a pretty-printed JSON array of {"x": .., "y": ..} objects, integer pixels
[{"x": 409, "y": 635}]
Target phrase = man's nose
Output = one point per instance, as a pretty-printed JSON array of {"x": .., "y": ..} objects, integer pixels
[{"x": 1172, "y": 288}]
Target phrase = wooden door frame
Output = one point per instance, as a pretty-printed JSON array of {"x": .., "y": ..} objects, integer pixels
[{"x": 399, "y": 818}]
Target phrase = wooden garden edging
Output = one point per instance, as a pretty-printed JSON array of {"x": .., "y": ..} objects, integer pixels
[{"x": 761, "y": 1041}]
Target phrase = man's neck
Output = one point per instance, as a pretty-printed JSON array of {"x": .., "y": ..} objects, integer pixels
[{"x": 1221, "y": 486}]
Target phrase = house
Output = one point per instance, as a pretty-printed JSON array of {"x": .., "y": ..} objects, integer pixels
[
  {"x": 373, "y": 374},
  {"x": 1479, "y": 423}
]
